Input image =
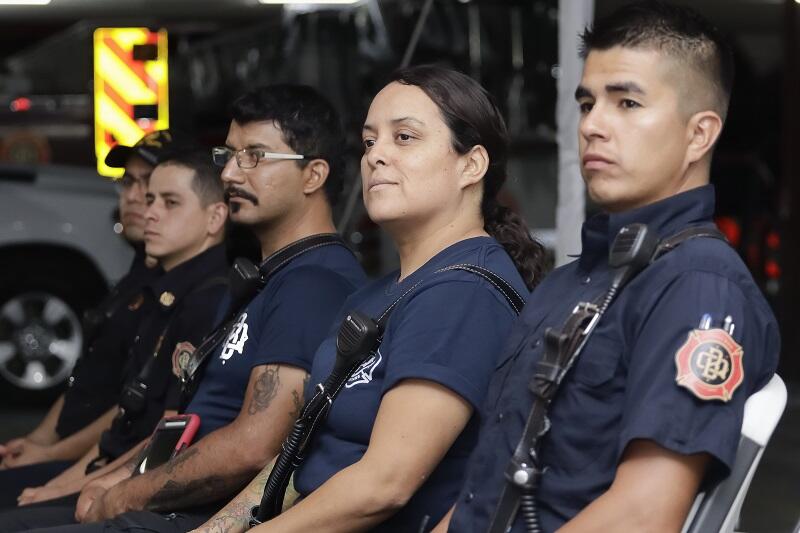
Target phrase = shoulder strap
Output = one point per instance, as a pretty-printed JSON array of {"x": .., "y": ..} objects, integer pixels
[
  {"x": 271, "y": 266},
  {"x": 513, "y": 298},
  {"x": 673, "y": 241},
  {"x": 562, "y": 348},
  {"x": 285, "y": 255}
]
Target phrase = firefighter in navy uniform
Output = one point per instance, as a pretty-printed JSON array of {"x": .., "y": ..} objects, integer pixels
[
  {"x": 653, "y": 406},
  {"x": 186, "y": 219},
  {"x": 75, "y": 420}
]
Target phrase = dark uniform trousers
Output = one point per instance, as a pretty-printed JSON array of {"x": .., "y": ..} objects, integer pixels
[
  {"x": 27, "y": 476},
  {"x": 63, "y": 519}
]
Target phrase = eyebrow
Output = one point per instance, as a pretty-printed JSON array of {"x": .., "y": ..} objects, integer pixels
[
  {"x": 621, "y": 87},
  {"x": 395, "y": 121},
  {"x": 251, "y": 146}
]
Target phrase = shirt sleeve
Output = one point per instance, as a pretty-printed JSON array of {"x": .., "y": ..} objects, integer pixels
[
  {"x": 450, "y": 333},
  {"x": 682, "y": 417},
  {"x": 297, "y": 316}
]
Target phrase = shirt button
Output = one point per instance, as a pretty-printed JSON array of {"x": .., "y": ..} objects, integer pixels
[
  {"x": 470, "y": 496},
  {"x": 499, "y": 416},
  {"x": 136, "y": 339},
  {"x": 587, "y": 280}
]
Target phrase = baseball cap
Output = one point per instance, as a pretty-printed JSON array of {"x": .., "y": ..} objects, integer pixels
[{"x": 154, "y": 148}]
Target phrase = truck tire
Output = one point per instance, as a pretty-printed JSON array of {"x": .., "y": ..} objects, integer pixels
[{"x": 41, "y": 335}]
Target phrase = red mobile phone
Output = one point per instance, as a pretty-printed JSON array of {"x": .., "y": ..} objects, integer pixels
[{"x": 172, "y": 435}]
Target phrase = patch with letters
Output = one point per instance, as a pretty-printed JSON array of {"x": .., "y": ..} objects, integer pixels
[
  {"x": 710, "y": 364},
  {"x": 364, "y": 372}
]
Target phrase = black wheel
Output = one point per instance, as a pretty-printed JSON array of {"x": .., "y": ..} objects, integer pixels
[{"x": 41, "y": 335}]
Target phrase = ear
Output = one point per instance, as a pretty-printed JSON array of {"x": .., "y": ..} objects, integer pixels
[
  {"x": 703, "y": 130},
  {"x": 314, "y": 176},
  {"x": 475, "y": 164},
  {"x": 218, "y": 215}
]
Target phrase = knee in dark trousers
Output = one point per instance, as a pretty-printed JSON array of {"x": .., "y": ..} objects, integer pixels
[
  {"x": 14, "y": 480},
  {"x": 33, "y": 517},
  {"x": 137, "y": 522}
]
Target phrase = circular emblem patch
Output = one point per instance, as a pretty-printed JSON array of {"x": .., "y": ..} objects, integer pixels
[{"x": 709, "y": 364}]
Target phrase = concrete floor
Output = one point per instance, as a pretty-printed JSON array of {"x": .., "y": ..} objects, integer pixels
[{"x": 772, "y": 505}]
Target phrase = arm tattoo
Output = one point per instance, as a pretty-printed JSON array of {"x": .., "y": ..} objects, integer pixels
[
  {"x": 236, "y": 515},
  {"x": 179, "y": 459},
  {"x": 297, "y": 399},
  {"x": 176, "y": 495},
  {"x": 264, "y": 390}
]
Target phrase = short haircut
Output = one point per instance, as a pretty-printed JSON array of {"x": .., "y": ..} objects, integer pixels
[
  {"x": 308, "y": 122},
  {"x": 677, "y": 31},
  {"x": 206, "y": 181}
]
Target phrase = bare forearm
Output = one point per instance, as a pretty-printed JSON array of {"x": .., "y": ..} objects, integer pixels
[
  {"x": 119, "y": 469},
  {"x": 352, "y": 500},
  {"x": 77, "y": 444},
  {"x": 235, "y": 517}
]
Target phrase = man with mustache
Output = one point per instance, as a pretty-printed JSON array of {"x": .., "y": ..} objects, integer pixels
[
  {"x": 653, "y": 405},
  {"x": 282, "y": 169},
  {"x": 75, "y": 421}
]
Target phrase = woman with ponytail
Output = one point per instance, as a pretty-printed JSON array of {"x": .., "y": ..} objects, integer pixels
[{"x": 391, "y": 453}]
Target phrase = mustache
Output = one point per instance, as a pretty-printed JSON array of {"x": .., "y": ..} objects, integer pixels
[{"x": 236, "y": 192}]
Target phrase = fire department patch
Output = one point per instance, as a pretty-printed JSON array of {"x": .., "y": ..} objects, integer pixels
[{"x": 710, "y": 364}]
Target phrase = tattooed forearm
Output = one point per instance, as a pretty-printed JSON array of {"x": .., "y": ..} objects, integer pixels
[
  {"x": 297, "y": 399},
  {"x": 224, "y": 524},
  {"x": 265, "y": 389},
  {"x": 235, "y": 517},
  {"x": 179, "y": 459},
  {"x": 176, "y": 495}
]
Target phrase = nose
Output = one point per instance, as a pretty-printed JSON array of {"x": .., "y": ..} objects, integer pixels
[
  {"x": 592, "y": 125},
  {"x": 231, "y": 173},
  {"x": 376, "y": 155},
  {"x": 151, "y": 214}
]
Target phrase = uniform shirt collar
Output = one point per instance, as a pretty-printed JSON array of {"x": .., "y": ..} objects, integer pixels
[
  {"x": 665, "y": 217},
  {"x": 184, "y": 277}
]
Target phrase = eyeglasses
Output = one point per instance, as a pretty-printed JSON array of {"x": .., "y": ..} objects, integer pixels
[{"x": 247, "y": 158}]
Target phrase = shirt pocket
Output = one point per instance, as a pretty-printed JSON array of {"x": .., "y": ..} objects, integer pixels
[
  {"x": 598, "y": 362},
  {"x": 587, "y": 410}
]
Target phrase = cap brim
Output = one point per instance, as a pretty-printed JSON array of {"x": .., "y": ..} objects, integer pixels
[{"x": 118, "y": 156}]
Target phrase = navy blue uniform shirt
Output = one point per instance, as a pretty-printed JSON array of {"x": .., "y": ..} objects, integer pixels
[
  {"x": 96, "y": 382},
  {"x": 180, "y": 306},
  {"x": 283, "y": 324},
  {"x": 623, "y": 386},
  {"x": 448, "y": 330}
]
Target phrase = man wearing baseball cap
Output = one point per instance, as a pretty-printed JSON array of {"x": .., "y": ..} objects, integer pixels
[{"x": 78, "y": 417}]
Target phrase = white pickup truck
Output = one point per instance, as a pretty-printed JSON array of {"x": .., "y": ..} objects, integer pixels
[{"x": 60, "y": 249}]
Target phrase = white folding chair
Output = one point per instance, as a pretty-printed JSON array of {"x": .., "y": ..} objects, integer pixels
[{"x": 718, "y": 510}]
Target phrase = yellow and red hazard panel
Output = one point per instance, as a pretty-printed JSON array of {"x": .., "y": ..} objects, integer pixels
[{"x": 130, "y": 88}]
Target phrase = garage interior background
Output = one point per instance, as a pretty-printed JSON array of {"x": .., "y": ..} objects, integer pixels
[{"x": 220, "y": 48}]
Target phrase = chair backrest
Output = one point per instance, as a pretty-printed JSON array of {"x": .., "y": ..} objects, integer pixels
[{"x": 717, "y": 511}]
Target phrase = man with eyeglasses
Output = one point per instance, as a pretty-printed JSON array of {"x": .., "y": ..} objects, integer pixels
[
  {"x": 252, "y": 385},
  {"x": 77, "y": 418}
]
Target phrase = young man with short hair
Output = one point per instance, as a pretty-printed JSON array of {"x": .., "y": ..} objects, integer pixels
[
  {"x": 644, "y": 415},
  {"x": 282, "y": 171},
  {"x": 76, "y": 420},
  {"x": 184, "y": 231}
]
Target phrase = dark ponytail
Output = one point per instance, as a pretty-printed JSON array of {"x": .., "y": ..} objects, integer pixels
[
  {"x": 510, "y": 230},
  {"x": 473, "y": 119}
]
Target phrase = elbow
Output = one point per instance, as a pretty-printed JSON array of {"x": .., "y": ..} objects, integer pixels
[{"x": 386, "y": 495}]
